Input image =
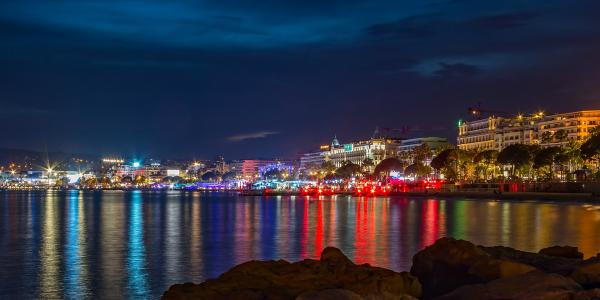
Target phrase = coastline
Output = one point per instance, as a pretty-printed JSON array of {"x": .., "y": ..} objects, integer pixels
[
  {"x": 588, "y": 197},
  {"x": 530, "y": 196}
]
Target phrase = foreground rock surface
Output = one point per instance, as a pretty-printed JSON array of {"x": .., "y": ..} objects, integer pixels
[
  {"x": 334, "y": 276},
  {"x": 448, "y": 269},
  {"x": 449, "y": 264},
  {"x": 533, "y": 285}
]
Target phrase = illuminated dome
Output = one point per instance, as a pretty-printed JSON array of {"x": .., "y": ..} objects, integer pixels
[{"x": 335, "y": 142}]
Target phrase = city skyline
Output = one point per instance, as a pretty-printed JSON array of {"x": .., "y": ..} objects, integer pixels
[{"x": 267, "y": 80}]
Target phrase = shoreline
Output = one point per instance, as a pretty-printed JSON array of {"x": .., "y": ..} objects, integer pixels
[{"x": 544, "y": 196}]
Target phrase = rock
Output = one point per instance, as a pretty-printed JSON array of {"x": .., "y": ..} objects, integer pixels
[
  {"x": 449, "y": 264},
  {"x": 332, "y": 294},
  {"x": 562, "y": 251},
  {"x": 587, "y": 295},
  {"x": 340, "y": 294},
  {"x": 284, "y": 280},
  {"x": 490, "y": 269},
  {"x": 550, "y": 264},
  {"x": 531, "y": 286},
  {"x": 587, "y": 275}
]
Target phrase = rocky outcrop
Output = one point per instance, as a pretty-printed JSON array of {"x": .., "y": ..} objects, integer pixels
[
  {"x": 546, "y": 263},
  {"x": 530, "y": 286},
  {"x": 448, "y": 269},
  {"x": 334, "y": 275},
  {"x": 562, "y": 251},
  {"x": 588, "y": 275},
  {"x": 449, "y": 264}
]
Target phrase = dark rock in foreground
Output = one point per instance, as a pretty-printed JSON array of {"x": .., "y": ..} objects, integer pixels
[
  {"x": 449, "y": 269},
  {"x": 334, "y": 276},
  {"x": 535, "y": 285},
  {"x": 449, "y": 264}
]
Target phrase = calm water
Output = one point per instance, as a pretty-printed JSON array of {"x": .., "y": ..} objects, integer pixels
[{"x": 112, "y": 245}]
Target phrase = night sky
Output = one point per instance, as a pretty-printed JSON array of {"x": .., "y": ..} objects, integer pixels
[{"x": 266, "y": 78}]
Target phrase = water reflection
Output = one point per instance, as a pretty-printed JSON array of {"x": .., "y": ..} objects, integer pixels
[
  {"x": 50, "y": 264},
  {"x": 137, "y": 284},
  {"x": 134, "y": 245}
]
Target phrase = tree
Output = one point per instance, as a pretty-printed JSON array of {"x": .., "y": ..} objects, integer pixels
[
  {"x": 62, "y": 182},
  {"x": 544, "y": 160},
  {"x": 273, "y": 174},
  {"x": 440, "y": 161},
  {"x": 418, "y": 169},
  {"x": 388, "y": 165},
  {"x": 229, "y": 175},
  {"x": 140, "y": 179},
  {"x": 211, "y": 176},
  {"x": 327, "y": 167},
  {"x": 127, "y": 179},
  {"x": 421, "y": 153},
  {"x": 594, "y": 131},
  {"x": 546, "y": 137},
  {"x": 348, "y": 170},
  {"x": 518, "y": 156},
  {"x": 367, "y": 164},
  {"x": 561, "y": 135},
  {"x": 455, "y": 164},
  {"x": 590, "y": 150},
  {"x": 485, "y": 160}
]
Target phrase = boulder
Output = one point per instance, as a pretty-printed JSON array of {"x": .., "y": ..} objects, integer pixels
[
  {"x": 490, "y": 269},
  {"x": 339, "y": 294},
  {"x": 283, "y": 280},
  {"x": 550, "y": 264},
  {"x": 535, "y": 285},
  {"x": 588, "y": 275},
  {"x": 562, "y": 251},
  {"x": 332, "y": 294},
  {"x": 449, "y": 264}
]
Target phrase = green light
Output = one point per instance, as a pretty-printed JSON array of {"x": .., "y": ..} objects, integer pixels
[{"x": 459, "y": 123}]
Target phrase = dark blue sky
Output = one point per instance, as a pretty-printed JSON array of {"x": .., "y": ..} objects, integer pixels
[{"x": 274, "y": 78}]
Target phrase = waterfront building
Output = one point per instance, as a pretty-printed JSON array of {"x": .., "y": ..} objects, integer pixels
[
  {"x": 285, "y": 167},
  {"x": 251, "y": 167},
  {"x": 376, "y": 149},
  {"x": 576, "y": 125},
  {"x": 496, "y": 133},
  {"x": 313, "y": 159},
  {"x": 477, "y": 134},
  {"x": 434, "y": 143}
]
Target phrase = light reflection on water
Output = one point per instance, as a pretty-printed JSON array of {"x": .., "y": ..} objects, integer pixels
[{"x": 78, "y": 245}]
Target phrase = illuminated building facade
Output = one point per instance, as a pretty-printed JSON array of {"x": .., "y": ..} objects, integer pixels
[
  {"x": 312, "y": 159},
  {"x": 434, "y": 143},
  {"x": 376, "y": 149},
  {"x": 251, "y": 167},
  {"x": 496, "y": 133},
  {"x": 478, "y": 134},
  {"x": 577, "y": 126}
]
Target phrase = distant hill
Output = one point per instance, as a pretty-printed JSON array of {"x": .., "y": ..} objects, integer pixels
[{"x": 39, "y": 158}]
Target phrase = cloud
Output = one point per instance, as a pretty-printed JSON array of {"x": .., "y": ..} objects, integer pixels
[
  {"x": 250, "y": 136},
  {"x": 417, "y": 26},
  {"x": 504, "y": 21},
  {"x": 454, "y": 70}
]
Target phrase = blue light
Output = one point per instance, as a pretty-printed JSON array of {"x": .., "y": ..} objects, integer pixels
[{"x": 136, "y": 164}]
